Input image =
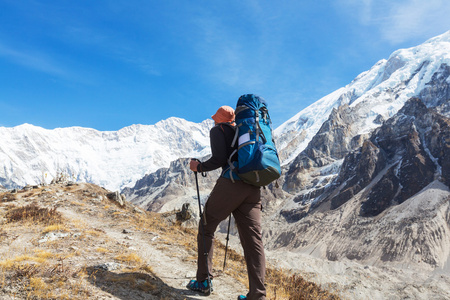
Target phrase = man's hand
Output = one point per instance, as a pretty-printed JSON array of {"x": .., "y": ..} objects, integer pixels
[{"x": 193, "y": 165}]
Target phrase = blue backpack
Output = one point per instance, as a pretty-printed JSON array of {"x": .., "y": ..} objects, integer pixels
[{"x": 258, "y": 163}]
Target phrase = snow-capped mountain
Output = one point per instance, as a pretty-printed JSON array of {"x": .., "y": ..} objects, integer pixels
[
  {"x": 390, "y": 202},
  {"x": 366, "y": 169},
  {"x": 113, "y": 159},
  {"x": 345, "y": 193},
  {"x": 369, "y": 178},
  {"x": 377, "y": 94},
  {"x": 314, "y": 143}
]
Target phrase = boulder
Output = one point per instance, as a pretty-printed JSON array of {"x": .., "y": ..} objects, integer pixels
[
  {"x": 117, "y": 197},
  {"x": 186, "y": 213}
]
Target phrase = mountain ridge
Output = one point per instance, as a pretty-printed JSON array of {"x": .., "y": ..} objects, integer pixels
[
  {"x": 365, "y": 175},
  {"x": 314, "y": 194},
  {"x": 114, "y": 159},
  {"x": 379, "y": 93},
  {"x": 372, "y": 211}
]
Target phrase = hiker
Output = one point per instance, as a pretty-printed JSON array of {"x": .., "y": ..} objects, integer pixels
[{"x": 227, "y": 197}]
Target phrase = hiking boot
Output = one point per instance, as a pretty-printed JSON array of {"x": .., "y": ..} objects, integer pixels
[
  {"x": 241, "y": 297},
  {"x": 202, "y": 287}
]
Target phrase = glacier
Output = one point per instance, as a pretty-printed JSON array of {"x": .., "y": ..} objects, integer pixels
[
  {"x": 113, "y": 159},
  {"x": 117, "y": 159}
]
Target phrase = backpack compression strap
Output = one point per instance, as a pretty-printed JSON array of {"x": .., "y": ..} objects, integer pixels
[{"x": 264, "y": 114}]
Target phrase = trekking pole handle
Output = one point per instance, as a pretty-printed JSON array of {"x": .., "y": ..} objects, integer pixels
[{"x": 203, "y": 173}]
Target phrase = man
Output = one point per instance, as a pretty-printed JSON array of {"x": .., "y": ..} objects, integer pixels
[{"x": 241, "y": 199}]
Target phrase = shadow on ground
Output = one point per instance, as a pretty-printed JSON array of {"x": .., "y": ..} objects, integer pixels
[{"x": 134, "y": 285}]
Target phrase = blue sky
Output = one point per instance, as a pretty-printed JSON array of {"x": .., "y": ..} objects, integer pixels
[{"x": 110, "y": 64}]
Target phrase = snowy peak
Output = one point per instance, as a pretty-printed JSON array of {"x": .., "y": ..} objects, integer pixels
[
  {"x": 113, "y": 159},
  {"x": 414, "y": 67},
  {"x": 389, "y": 203},
  {"x": 376, "y": 94}
]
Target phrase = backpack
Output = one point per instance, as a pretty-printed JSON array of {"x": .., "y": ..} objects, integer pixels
[{"x": 258, "y": 163}]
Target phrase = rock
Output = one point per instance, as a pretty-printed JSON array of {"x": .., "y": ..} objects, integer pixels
[
  {"x": 53, "y": 236},
  {"x": 116, "y": 196},
  {"x": 154, "y": 190},
  {"x": 109, "y": 266},
  {"x": 185, "y": 213},
  {"x": 138, "y": 210},
  {"x": 333, "y": 141},
  {"x": 403, "y": 156}
]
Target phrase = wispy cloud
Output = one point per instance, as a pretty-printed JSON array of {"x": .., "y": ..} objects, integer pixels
[
  {"x": 417, "y": 19},
  {"x": 32, "y": 60},
  {"x": 239, "y": 54},
  {"x": 115, "y": 46},
  {"x": 220, "y": 52},
  {"x": 400, "y": 21}
]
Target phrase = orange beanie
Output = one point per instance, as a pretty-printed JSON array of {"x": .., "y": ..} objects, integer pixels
[{"x": 224, "y": 114}]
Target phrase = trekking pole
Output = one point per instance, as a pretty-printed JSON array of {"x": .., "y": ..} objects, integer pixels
[
  {"x": 226, "y": 246},
  {"x": 198, "y": 195},
  {"x": 202, "y": 226}
]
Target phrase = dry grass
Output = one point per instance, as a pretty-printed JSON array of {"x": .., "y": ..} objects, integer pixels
[
  {"x": 37, "y": 273},
  {"x": 33, "y": 213},
  {"x": 45, "y": 273},
  {"x": 284, "y": 285},
  {"x": 102, "y": 250},
  {"x": 7, "y": 197},
  {"x": 130, "y": 258},
  {"x": 152, "y": 222},
  {"x": 77, "y": 203},
  {"x": 93, "y": 233},
  {"x": 133, "y": 280},
  {"x": 56, "y": 227},
  {"x": 280, "y": 284}
]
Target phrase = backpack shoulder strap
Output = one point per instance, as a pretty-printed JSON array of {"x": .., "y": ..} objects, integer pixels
[
  {"x": 221, "y": 125},
  {"x": 231, "y": 167},
  {"x": 235, "y": 128}
]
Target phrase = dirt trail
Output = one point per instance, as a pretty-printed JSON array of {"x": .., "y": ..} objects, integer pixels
[
  {"x": 102, "y": 251},
  {"x": 168, "y": 261},
  {"x": 97, "y": 252}
]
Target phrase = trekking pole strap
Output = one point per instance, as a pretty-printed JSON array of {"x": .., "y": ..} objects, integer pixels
[
  {"x": 202, "y": 173},
  {"x": 199, "y": 203}
]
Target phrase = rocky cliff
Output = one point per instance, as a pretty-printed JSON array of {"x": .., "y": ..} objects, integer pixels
[
  {"x": 389, "y": 201},
  {"x": 353, "y": 162}
]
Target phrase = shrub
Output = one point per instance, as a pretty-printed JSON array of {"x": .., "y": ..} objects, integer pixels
[{"x": 34, "y": 213}]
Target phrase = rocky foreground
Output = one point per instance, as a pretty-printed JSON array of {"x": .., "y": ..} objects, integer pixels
[{"x": 80, "y": 241}]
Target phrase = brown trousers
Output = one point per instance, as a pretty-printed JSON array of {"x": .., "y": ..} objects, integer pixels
[{"x": 244, "y": 202}]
